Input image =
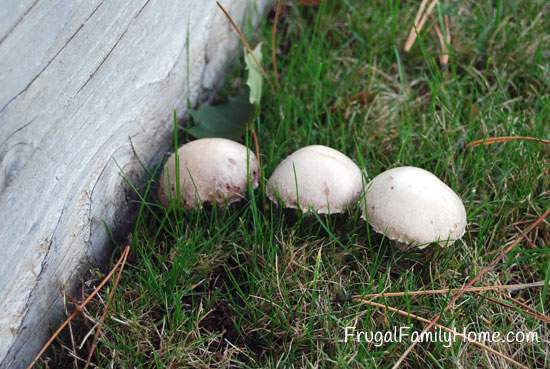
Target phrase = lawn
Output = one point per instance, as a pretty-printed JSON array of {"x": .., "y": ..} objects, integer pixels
[{"x": 256, "y": 286}]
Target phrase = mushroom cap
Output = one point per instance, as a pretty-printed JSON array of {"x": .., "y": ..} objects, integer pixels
[
  {"x": 316, "y": 178},
  {"x": 413, "y": 206},
  {"x": 213, "y": 170}
]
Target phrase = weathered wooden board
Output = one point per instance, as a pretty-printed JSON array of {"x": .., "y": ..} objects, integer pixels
[{"x": 80, "y": 80}]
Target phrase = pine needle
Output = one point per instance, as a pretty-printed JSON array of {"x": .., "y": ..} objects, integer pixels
[
  {"x": 492, "y": 140},
  {"x": 80, "y": 307},
  {"x": 444, "y": 291}
]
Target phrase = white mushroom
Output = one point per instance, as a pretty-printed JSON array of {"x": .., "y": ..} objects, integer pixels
[
  {"x": 213, "y": 170},
  {"x": 316, "y": 178},
  {"x": 413, "y": 207}
]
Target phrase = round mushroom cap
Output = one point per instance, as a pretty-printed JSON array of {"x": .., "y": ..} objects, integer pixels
[
  {"x": 316, "y": 178},
  {"x": 214, "y": 170},
  {"x": 413, "y": 206}
]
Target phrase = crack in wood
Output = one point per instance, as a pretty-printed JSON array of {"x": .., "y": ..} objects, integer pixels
[
  {"x": 16, "y": 131},
  {"x": 52, "y": 59},
  {"x": 33, "y": 289},
  {"x": 18, "y": 22},
  {"x": 111, "y": 50}
]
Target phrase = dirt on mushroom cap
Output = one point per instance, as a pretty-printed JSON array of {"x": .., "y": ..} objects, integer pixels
[{"x": 214, "y": 170}]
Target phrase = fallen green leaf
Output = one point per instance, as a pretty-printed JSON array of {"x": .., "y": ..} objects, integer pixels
[
  {"x": 254, "y": 79},
  {"x": 226, "y": 120}
]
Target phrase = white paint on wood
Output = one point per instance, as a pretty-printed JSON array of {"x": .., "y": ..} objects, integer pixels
[{"x": 79, "y": 81}]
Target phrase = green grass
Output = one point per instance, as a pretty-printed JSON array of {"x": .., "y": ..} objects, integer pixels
[{"x": 255, "y": 286}]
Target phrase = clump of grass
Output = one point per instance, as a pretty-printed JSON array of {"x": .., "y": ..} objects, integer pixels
[{"x": 257, "y": 286}]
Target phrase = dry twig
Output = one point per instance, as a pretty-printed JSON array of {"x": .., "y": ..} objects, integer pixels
[
  {"x": 256, "y": 146},
  {"x": 444, "y": 41},
  {"x": 444, "y": 291},
  {"x": 492, "y": 140},
  {"x": 526, "y": 309},
  {"x": 105, "y": 311},
  {"x": 71, "y": 334},
  {"x": 243, "y": 39},
  {"x": 80, "y": 307},
  {"x": 421, "y": 17}
]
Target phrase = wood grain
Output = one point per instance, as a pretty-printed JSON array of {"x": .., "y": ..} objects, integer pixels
[{"x": 80, "y": 82}]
